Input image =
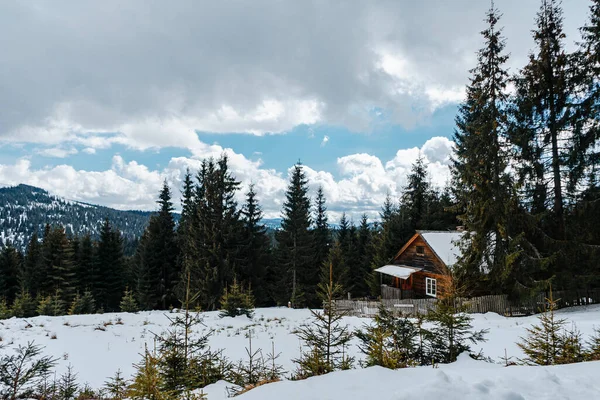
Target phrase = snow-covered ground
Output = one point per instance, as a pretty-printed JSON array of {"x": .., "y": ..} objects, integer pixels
[{"x": 98, "y": 345}]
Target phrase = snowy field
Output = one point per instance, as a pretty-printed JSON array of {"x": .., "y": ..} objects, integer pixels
[{"x": 98, "y": 345}]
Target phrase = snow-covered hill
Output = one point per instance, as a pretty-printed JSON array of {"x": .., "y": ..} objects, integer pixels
[
  {"x": 98, "y": 345},
  {"x": 26, "y": 209}
]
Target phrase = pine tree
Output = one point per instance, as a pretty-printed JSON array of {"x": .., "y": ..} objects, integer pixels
[
  {"x": 58, "y": 265},
  {"x": 219, "y": 230},
  {"x": 542, "y": 126},
  {"x": 187, "y": 236},
  {"x": 237, "y": 301},
  {"x": 148, "y": 382},
  {"x": 416, "y": 194},
  {"x": 584, "y": 157},
  {"x": 86, "y": 275},
  {"x": 364, "y": 255},
  {"x": 83, "y": 304},
  {"x": 67, "y": 385},
  {"x": 451, "y": 332},
  {"x": 116, "y": 387},
  {"x": 109, "y": 265},
  {"x": 185, "y": 362},
  {"x": 10, "y": 266},
  {"x": 321, "y": 232},
  {"x": 325, "y": 336},
  {"x": 21, "y": 372},
  {"x": 390, "y": 342},
  {"x": 544, "y": 341},
  {"x": 31, "y": 274},
  {"x": 295, "y": 257},
  {"x": 128, "y": 303},
  {"x": 480, "y": 165},
  {"x": 24, "y": 305},
  {"x": 255, "y": 251}
]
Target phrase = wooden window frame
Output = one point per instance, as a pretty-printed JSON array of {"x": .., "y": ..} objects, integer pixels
[
  {"x": 420, "y": 253},
  {"x": 431, "y": 287}
]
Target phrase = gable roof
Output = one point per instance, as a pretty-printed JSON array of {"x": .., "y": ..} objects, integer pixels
[{"x": 444, "y": 244}]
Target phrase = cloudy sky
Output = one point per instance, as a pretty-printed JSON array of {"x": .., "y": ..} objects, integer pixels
[{"x": 100, "y": 101}]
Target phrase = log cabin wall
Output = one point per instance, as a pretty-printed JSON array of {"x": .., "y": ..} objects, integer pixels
[{"x": 427, "y": 260}]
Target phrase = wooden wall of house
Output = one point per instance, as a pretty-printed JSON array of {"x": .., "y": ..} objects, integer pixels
[
  {"x": 428, "y": 261},
  {"x": 419, "y": 285}
]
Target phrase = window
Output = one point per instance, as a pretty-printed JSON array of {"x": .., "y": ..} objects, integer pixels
[
  {"x": 430, "y": 287},
  {"x": 420, "y": 250}
]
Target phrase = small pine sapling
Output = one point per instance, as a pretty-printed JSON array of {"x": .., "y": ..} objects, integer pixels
[
  {"x": 24, "y": 306},
  {"x": 544, "y": 341},
  {"x": 83, "y": 304},
  {"x": 128, "y": 302},
  {"x": 325, "y": 336},
  {"x": 594, "y": 346},
  {"x": 22, "y": 372},
  {"x": 116, "y": 386},
  {"x": 5, "y": 311},
  {"x": 148, "y": 383},
  {"x": 67, "y": 385},
  {"x": 451, "y": 332},
  {"x": 390, "y": 342},
  {"x": 237, "y": 301},
  {"x": 572, "y": 347}
]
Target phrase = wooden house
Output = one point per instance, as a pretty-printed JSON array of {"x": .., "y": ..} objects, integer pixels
[{"x": 421, "y": 267}]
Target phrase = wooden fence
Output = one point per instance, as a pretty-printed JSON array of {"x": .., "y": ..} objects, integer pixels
[{"x": 499, "y": 304}]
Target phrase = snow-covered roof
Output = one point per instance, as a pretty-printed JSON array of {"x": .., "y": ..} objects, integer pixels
[
  {"x": 444, "y": 244},
  {"x": 397, "y": 271}
]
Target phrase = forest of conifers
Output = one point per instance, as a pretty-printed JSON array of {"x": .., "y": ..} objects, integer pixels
[{"x": 524, "y": 185}]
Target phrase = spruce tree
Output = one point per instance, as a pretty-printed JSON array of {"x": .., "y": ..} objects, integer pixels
[
  {"x": 295, "y": 256},
  {"x": 321, "y": 232},
  {"x": 390, "y": 341},
  {"x": 544, "y": 341},
  {"x": 237, "y": 301},
  {"x": 109, "y": 265},
  {"x": 364, "y": 255},
  {"x": 480, "y": 165},
  {"x": 416, "y": 194},
  {"x": 254, "y": 256},
  {"x": 23, "y": 370},
  {"x": 187, "y": 236},
  {"x": 10, "y": 266},
  {"x": 325, "y": 337},
  {"x": 31, "y": 274},
  {"x": 128, "y": 303},
  {"x": 219, "y": 230},
  {"x": 542, "y": 128}
]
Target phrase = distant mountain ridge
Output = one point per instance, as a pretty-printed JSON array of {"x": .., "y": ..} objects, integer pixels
[{"x": 27, "y": 209}]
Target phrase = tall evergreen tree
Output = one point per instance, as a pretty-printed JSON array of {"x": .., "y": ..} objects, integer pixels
[
  {"x": 295, "y": 244},
  {"x": 10, "y": 265},
  {"x": 542, "y": 126},
  {"x": 187, "y": 262},
  {"x": 157, "y": 268},
  {"x": 364, "y": 254},
  {"x": 219, "y": 230},
  {"x": 416, "y": 194},
  {"x": 321, "y": 231},
  {"x": 30, "y": 275},
  {"x": 481, "y": 161},
  {"x": 255, "y": 251},
  {"x": 109, "y": 265},
  {"x": 58, "y": 258}
]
